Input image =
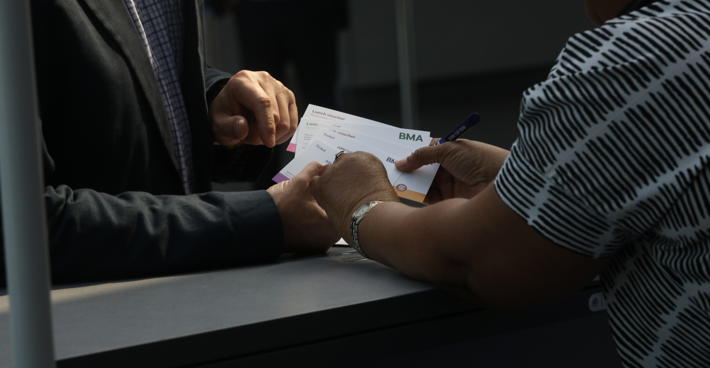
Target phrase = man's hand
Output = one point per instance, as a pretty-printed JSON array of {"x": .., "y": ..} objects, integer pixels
[
  {"x": 306, "y": 226},
  {"x": 466, "y": 167},
  {"x": 253, "y": 108},
  {"x": 352, "y": 180}
]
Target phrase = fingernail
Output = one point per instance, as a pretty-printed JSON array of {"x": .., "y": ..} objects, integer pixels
[
  {"x": 400, "y": 162},
  {"x": 241, "y": 129}
]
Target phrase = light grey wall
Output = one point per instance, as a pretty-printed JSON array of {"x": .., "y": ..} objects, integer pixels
[{"x": 457, "y": 37}]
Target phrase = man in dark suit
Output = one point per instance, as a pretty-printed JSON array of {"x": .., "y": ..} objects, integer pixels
[{"x": 136, "y": 127}]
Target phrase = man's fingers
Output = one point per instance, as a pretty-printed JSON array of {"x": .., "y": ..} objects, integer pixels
[
  {"x": 283, "y": 127},
  {"x": 250, "y": 94},
  {"x": 423, "y": 156},
  {"x": 263, "y": 110},
  {"x": 311, "y": 170},
  {"x": 293, "y": 114}
]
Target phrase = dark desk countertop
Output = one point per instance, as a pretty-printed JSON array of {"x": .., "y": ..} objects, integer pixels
[
  {"x": 223, "y": 315},
  {"x": 120, "y": 315}
]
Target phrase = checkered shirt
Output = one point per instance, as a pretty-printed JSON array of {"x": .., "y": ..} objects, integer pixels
[{"x": 160, "y": 25}]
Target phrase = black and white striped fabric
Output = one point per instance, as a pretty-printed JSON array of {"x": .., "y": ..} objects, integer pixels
[{"x": 613, "y": 160}]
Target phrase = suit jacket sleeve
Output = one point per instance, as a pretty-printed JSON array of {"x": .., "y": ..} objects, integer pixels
[
  {"x": 95, "y": 236},
  {"x": 215, "y": 79}
]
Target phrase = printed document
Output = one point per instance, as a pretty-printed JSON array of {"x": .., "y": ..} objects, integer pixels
[{"x": 324, "y": 132}]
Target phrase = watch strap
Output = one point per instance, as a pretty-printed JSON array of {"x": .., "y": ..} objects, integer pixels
[{"x": 357, "y": 217}]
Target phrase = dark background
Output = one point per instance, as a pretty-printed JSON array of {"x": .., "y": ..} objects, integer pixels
[{"x": 470, "y": 56}]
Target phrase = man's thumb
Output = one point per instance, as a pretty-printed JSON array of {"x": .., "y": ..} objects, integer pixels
[
  {"x": 240, "y": 127},
  {"x": 231, "y": 130}
]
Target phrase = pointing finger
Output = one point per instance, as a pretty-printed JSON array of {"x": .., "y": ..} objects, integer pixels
[
  {"x": 251, "y": 95},
  {"x": 423, "y": 156}
]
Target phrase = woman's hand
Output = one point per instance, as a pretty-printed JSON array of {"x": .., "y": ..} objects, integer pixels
[
  {"x": 466, "y": 167},
  {"x": 352, "y": 180}
]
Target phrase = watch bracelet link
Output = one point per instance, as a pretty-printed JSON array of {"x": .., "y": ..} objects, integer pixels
[{"x": 357, "y": 217}]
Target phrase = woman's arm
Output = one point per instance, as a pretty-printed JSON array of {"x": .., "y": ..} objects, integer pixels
[{"x": 477, "y": 242}]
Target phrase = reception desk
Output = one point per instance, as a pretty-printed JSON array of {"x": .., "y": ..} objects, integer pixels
[{"x": 332, "y": 310}]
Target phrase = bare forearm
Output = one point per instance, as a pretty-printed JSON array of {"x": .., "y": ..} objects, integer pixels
[
  {"x": 478, "y": 244},
  {"x": 416, "y": 241}
]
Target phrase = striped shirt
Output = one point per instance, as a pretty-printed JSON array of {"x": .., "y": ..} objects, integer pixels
[
  {"x": 160, "y": 25},
  {"x": 613, "y": 160}
]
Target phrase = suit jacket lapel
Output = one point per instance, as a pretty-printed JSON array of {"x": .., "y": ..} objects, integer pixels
[{"x": 114, "y": 17}]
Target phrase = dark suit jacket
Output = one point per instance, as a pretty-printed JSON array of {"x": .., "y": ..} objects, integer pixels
[{"x": 114, "y": 198}]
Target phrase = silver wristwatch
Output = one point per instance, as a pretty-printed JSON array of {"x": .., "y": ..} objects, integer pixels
[{"x": 358, "y": 215}]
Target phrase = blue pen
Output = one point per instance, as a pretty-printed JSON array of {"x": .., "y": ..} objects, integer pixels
[{"x": 470, "y": 121}]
